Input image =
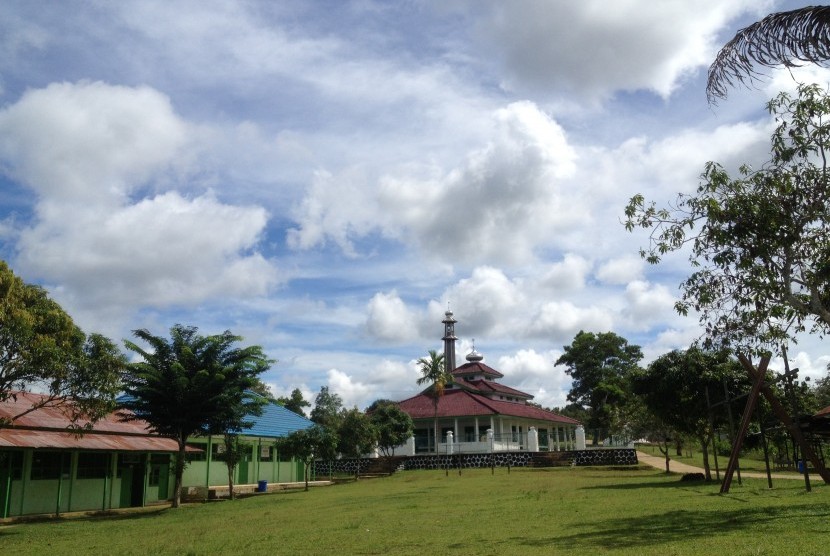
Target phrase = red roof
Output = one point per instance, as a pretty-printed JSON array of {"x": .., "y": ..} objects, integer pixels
[
  {"x": 476, "y": 367},
  {"x": 824, "y": 412},
  {"x": 47, "y": 427},
  {"x": 490, "y": 386},
  {"x": 461, "y": 403}
]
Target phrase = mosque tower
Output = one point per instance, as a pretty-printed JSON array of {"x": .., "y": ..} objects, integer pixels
[{"x": 449, "y": 341}]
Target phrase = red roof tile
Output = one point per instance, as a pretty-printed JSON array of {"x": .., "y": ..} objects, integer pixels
[{"x": 461, "y": 403}]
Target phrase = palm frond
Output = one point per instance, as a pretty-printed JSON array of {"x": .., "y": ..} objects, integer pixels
[{"x": 783, "y": 39}]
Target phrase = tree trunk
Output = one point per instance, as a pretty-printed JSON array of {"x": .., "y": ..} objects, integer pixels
[
  {"x": 678, "y": 446},
  {"x": 664, "y": 449},
  {"x": 307, "y": 466},
  {"x": 177, "y": 485},
  {"x": 230, "y": 481},
  {"x": 704, "y": 446}
]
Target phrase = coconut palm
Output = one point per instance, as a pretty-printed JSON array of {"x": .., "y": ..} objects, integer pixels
[
  {"x": 433, "y": 370},
  {"x": 780, "y": 39}
]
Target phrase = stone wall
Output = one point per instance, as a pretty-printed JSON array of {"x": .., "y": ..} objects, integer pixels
[{"x": 616, "y": 456}]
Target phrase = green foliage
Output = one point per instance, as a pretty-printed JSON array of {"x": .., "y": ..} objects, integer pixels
[
  {"x": 674, "y": 389},
  {"x": 356, "y": 435},
  {"x": 328, "y": 408},
  {"x": 307, "y": 444},
  {"x": 192, "y": 384},
  {"x": 759, "y": 243},
  {"x": 433, "y": 370},
  {"x": 599, "y": 365},
  {"x": 295, "y": 402},
  {"x": 393, "y": 425},
  {"x": 42, "y": 349}
]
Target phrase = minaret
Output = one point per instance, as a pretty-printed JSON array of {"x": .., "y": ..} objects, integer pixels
[{"x": 449, "y": 341}]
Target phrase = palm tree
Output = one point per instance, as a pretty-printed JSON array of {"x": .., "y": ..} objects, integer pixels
[
  {"x": 190, "y": 384},
  {"x": 780, "y": 39},
  {"x": 434, "y": 371}
]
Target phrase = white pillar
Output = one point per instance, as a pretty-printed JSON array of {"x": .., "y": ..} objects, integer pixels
[
  {"x": 477, "y": 433},
  {"x": 556, "y": 432},
  {"x": 455, "y": 428},
  {"x": 580, "y": 437},
  {"x": 490, "y": 440},
  {"x": 532, "y": 440},
  {"x": 449, "y": 442},
  {"x": 410, "y": 446}
]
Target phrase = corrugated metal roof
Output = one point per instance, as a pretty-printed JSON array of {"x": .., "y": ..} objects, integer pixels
[
  {"x": 47, "y": 427},
  {"x": 276, "y": 422},
  {"x": 58, "y": 440}
]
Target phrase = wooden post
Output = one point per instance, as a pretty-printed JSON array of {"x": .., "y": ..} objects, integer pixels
[
  {"x": 751, "y": 402},
  {"x": 784, "y": 417}
]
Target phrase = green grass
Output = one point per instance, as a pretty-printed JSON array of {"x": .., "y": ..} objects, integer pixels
[
  {"x": 752, "y": 461},
  {"x": 528, "y": 511}
]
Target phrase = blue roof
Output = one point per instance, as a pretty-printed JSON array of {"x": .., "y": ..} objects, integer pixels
[{"x": 276, "y": 422}]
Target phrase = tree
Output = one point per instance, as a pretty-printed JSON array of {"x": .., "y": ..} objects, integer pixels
[
  {"x": 599, "y": 365},
  {"x": 674, "y": 387},
  {"x": 295, "y": 402},
  {"x": 783, "y": 39},
  {"x": 356, "y": 435},
  {"x": 189, "y": 384},
  {"x": 393, "y": 426},
  {"x": 307, "y": 444},
  {"x": 41, "y": 348},
  {"x": 433, "y": 370},
  {"x": 759, "y": 243},
  {"x": 328, "y": 408},
  {"x": 822, "y": 392},
  {"x": 232, "y": 420}
]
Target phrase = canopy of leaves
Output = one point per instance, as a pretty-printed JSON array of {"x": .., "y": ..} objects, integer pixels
[
  {"x": 433, "y": 371},
  {"x": 356, "y": 435},
  {"x": 307, "y": 444},
  {"x": 760, "y": 244},
  {"x": 295, "y": 402},
  {"x": 190, "y": 383},
  {"x": 393, "y": 425},
  {"x": 783, "y": 39},
  {"x": 328, "y": 408},
  {"x": 599, "y": 365},
  {"x": 42, "y": 350},
  {"x": 674, "y": 387}
]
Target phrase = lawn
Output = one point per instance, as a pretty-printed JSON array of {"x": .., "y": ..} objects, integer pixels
[
  {"x": 526, "y": 511},
  {"x": 751, "y": 461}
]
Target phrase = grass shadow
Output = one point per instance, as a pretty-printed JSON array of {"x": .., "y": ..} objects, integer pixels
[{"x": 674, "y": 526}]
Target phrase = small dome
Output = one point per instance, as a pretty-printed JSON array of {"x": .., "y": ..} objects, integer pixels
[{"x": 474, "y": 356}]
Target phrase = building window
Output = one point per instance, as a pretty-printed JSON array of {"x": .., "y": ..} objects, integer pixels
[
  {"x": 200, "y": 455},
  {"x": 50, "y": 465},
  {"x": 266, "y": 453},
  {"x": 13, "y": 461},
  {"x": 92, "y": 465}
]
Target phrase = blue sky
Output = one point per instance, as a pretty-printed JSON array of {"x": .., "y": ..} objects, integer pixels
[{"x": 326, "y": 178}]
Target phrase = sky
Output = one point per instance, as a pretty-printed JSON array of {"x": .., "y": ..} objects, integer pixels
[{"x": 327, "y": 178}]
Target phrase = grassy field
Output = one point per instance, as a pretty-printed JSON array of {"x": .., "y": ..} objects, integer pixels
[
  {"x": 528, "y": 511},
  {"x": 752, "y": 462}
]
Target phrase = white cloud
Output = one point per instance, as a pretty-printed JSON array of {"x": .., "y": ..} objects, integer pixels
[
  {"x": 536, "y": 374},
  {"x": 647, "y": 303},
  {"x": 389, "y": 320},
  {"x": 621, "y": 270},
  {"x": 90, "y": 142},
  {"x": 562, "y": 320},
  {"x": 86, "y": 149},
  {"x": 593, "y": 48},
  {"x": 501, "y": 204}
]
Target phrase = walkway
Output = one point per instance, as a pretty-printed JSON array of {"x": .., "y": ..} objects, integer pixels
[{"x": 677, "y": 467}]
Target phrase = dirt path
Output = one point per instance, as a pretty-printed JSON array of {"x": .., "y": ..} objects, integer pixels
[{"x": 677, "y": 467}]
